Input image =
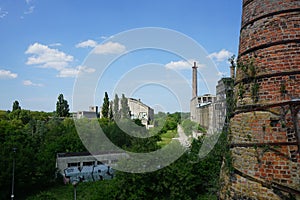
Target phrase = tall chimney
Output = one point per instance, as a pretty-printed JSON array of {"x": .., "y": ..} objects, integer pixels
[{"x": 195, "y": 88}]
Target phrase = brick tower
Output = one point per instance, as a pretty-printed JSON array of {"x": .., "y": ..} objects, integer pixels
[{"x": 264, "y": 132}]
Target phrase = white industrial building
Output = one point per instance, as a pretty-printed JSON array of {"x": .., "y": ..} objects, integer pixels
[
  {"x": 210, "y": 110},
  {"x": 141, "y": 111}
]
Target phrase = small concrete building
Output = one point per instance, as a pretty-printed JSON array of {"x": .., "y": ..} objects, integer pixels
[
  {"x": 81, "y": 159},
  {"x": 92, "y": 113}
]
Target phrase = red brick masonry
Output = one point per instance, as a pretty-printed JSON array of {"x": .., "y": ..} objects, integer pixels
[{"x": 265, "y": 130}]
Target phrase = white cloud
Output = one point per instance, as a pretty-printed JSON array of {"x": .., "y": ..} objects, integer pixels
[
  {"x": 87, "y": 43},
  {"x": 55, "y": 44},
  {"x": 3, "y": 13},
  {"x": 109, "y": 48},
  {"x": 73, "y": 72},
  {"x": 85, "y": 69},
  {"x": 30, "y": 83},
  {"x": 103, "y": 37},
  {"x": 29, "y": 11},
  {"x": 221, "y": 55},
  {"x": 47, "y": 57},
  {"x": 182, "y": 64},
  {"x": 6, "y": 74}
]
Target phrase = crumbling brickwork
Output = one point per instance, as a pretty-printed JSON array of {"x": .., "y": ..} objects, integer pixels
[{"x": 264, "y": 130}]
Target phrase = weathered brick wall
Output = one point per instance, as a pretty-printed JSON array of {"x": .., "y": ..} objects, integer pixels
[{"x": 265, "y": 128}]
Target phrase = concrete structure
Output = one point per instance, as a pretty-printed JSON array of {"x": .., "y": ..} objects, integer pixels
[
  {"x": 65, "y": 160},
  {"x": 139, "y": 110},
  {"x": 209, "y": 110},
  {"x": 202, "y": 111},
  {"x": 75, "y": 175},
  {"x": 265, "y": 127},
  {"x": 223, "y": 103},
  {"x": 92, "y": 113}
]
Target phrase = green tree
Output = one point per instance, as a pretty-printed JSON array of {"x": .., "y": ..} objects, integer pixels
[
  {"x": 111, "y": 114},
  {"x": 187, "y": 178},
  {"x": 189, "y": 126},
  {"x": 62, "y": 107},
  {"x": 16, "y": 106},
  {"x": 116, "y": 111},
  {"x": 125, "y": 112},
  {"x": 105, "y": 106}
]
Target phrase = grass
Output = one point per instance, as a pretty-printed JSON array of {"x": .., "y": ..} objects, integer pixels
[
  {"x": 89, "y": 190},
  {"x": 167, "y": 137}
]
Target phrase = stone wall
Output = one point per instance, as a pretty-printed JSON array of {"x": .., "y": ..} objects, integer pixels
[{"x": 265, "y": 128}]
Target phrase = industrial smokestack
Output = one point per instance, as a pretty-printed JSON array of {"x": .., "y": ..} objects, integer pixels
[{"x": 195, "y": 88}]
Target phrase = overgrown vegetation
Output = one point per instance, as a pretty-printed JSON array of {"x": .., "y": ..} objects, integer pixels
[
  {"x": 186, "y": 178},
  {"x": 39, "y": 136},
  {"x": 250, "y": 75},
  {"x": 190, "y": 126}
]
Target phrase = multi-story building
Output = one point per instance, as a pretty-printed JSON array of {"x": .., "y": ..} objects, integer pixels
[
  {"x": 141, "y": 111},
  {"x": 138, "y": 110}
]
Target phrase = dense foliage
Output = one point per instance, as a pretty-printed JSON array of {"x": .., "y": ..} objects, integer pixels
[
  {"x": 116, "y": 113},
  {"x": 16, "y": 106},
  {"x": 186, "y": 178},
  {"x": 62, "y": 107},
  {"x": 39, "y": 136},
  {"x": 105, "y": 106},
  {"x": 125, "y": 112}
]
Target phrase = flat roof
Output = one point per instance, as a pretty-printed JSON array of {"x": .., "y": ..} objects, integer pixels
[{"x": 72, "y": 154}]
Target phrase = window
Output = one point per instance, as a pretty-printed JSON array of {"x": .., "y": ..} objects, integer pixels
[
  {"x": 90, "y": 163},
  {"x": 75, "y": 164}
]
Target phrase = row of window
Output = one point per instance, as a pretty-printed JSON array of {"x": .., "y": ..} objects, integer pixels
[{"x": 90, "y": 163}]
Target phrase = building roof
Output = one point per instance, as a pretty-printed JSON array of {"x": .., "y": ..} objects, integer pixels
[
  {"x": 73, "y": 154},
  {"x": 139, "y": 102}
]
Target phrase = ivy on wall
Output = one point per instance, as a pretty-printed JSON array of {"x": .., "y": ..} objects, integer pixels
[{"x": 249, "y": 72}]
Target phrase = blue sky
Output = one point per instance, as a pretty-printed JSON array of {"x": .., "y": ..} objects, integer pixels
[{"x": 44, "y": 45}]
